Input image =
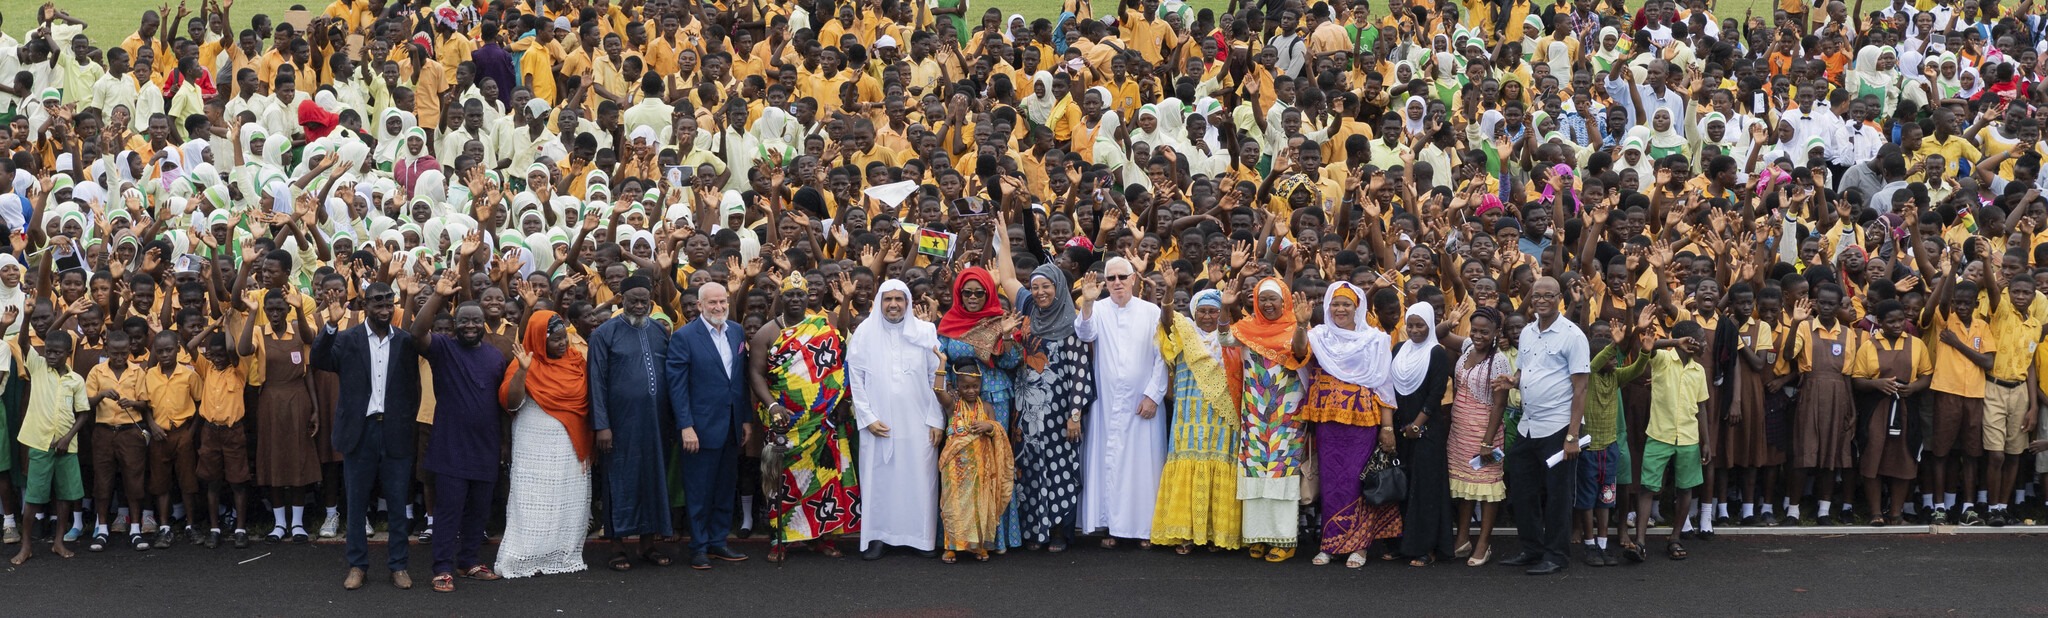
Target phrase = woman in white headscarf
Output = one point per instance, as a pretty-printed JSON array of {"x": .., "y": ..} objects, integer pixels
[
  {"x": 1422, "y": 371},
  {"x": 1038, "y": 105},
  {"x": 890, "y": 362},
  {"x": 1874, "y": 75},
  {"x": 1350, "y": 398},
  {"x": 414, "y": 157},
  {"x": 11, "y": 296},
  {"x": 1414, "y": 114},
  {"x": 392, "y": 126},
  {"x": 1606, "y": 49},
  {"x": 1660, "y": 135}
]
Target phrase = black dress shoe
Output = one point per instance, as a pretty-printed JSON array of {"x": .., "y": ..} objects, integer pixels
[
  {"x": 1546, "y": 568},
  {"x": 874, "y": 551},
  {"x": 928, "y": 553},
  {"x": 1522, "y": 559},
  {"x": 722, "y": 552},
  {"x": 700, "y": 562}
]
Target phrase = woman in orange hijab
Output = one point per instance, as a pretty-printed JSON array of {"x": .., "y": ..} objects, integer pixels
[
  {"x": 1275, "y": 340},
  {"x": 551, "y": 439}
]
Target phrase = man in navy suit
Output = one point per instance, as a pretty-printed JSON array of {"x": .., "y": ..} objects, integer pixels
[
  {"x": 374, "y": 422},
  {"x": 708, "y": 397}
]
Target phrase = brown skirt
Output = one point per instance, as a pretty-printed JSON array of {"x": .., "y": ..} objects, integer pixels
[
  {"x": 1748, "y": 442},
  {"x": 326, "y": 387},
  {"x": 1884, "y": 454},
  {"x": 1826, "y": 424},
  {"x": 285, "y": 446},
  {"x": 1635, "y": 408}
]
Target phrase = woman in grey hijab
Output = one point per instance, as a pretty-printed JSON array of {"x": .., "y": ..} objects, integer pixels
[{"x": 1056, "y": 386}]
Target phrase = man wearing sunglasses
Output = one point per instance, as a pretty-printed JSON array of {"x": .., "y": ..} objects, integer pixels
[{"x": 1126, "y": 437}]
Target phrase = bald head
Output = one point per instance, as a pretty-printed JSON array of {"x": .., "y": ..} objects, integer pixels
[{"x": 1544, "y": 297}]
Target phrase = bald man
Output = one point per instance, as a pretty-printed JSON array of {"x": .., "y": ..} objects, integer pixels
[
  {"x": 709, "y": 402},
  {"x": 1126, "y": 437},
  {"x": 1555, "y": 361}
]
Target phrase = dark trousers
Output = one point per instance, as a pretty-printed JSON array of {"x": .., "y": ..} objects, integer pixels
[
  {"x": 366, "y": 470},
  {"x": 461, "y": 506},
  {"x": 710, "y": 480},
  {"x": 1541, "y": 496}
]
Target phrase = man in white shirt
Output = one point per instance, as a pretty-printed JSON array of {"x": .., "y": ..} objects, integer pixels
[
  {"x": 1555, "y": 362},
  {"x": 375, "y": 420}
]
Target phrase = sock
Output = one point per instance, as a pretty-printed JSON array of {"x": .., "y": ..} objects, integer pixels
[
  {"x": 1721, "y": 509},
  {"x": 747, "y": 512},
  {"x": 408, "y": 513},
  {"x": 1927, "y": 500},
  {"x": 2019, "y": 495},
  {"x": 1686, "y": 524},
  {"x": 99, "y": 529},
  {"x": 333, "y": 513},
  {"x": 77, "y": 520},
  {"x": 7, "y": 520},
  {"x": 277, "y": 516},
  {"x": 1911, "y": 510},
  {"x": 1767, "y": 509},
  {"x": 1589, "y": 543},
  {"x": 1656, "y": 510},
  {"x": 134, "y": 528},
  {"x": 121, "y": 513},
  {"x": 1786, "y": 503},
  {"x": 1603, "y": 543},
  {"x": 1706, "y": 518},
  {"x": 1825, "y": 508},
  {"x": 1791, "y": 511},
  {"x": 214, "y": 529},
  {"x": 2000, "y": 507},
  {"x": 1969, "y": 505},
  {"x": 1748, "y": 510},
  {"x": 1981, "y": 497},
  {"x": 1948, "y": 501},
  {"x": 298, "y": 517}
]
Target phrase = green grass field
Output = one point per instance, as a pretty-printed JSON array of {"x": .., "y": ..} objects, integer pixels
[{"x": 113, "y": 20}]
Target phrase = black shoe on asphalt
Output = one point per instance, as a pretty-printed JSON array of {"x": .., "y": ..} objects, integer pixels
[
  {"x": 241, "y": 539},
  {"x": 873, "y": 552},
  {"x": 1523, "y": 559},
  {"x": 1770, "y": 519},
  {"x": 1750, "y": 520},
  {"x": 1607, "y": 558},
  {"x": 928, "y": 554},
  {"x": 1593, "y": 557},
  {"x": 212, "y": 539},
  {"x": 700, "y": 562},
  {"x": 726, "y": 553},
  {"x": 164, "y": 538},
  {"x": 1546, "y": 568},
  {"x": 1997, "y": 519}
]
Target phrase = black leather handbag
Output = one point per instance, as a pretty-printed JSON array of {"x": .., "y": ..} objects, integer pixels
[{"x": 1383, "y": 481}]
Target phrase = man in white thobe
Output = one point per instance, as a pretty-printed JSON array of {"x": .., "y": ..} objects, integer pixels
[
  {"x": 1126, "y": 436},
  {"x": 891, "y": 360}
]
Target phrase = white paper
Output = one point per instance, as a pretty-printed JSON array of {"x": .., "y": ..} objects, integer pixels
[
  {"x": 1558, "y": 458},
  {"x": 893, "y": 193}
]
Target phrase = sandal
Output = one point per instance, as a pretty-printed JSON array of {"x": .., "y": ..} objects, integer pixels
[
  {"x": 777, "y": 554},
  {"x": 1675, "y": 551},
  {"x": 141, "y": 544},
  {"x": 621, "y": 563},
  {"x": 981, "y": 555},
  {"x": 1632, "y": 552},
  {"x": 1481, "y": 559},
  {"x": 828, "y": 549},
  {"x": 1464, "y": 550},
  {"x": 1109, "y": 542},
  {"x": 1144, "y": 544},
  {"x": 1256, "y": 550},
  {"x": 1033, "y": 547},
  {"x": 1321, "y": 559},
  {"x": 1056, "y": 546},
  {"x": 481, "y": 572},
  {"x": 99, "y": 543},
  {"x": 655, "y": 557},
  {"x": 1279, "y": 554},
  {"x": 299, "y": 534},
  {"x": 1356, "y": 561},
  {"x": 276, "y": 534},
  {"x": 1183, "y": 548},
  {"x": 1423, "y": 561},
  {"x": 949, "y": 557},
  {"x": 444, "y": 583}
]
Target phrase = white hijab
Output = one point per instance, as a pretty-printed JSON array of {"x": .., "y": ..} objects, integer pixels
[
  {"x": 1358, "y": 355},
  {"x": 1411, "y": 362}
]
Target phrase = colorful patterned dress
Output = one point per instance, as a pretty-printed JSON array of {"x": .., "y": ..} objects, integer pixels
[
  {"x": 1272, "y": 452},
  {"x": 1048, "y": 464},
  {"x": 1347, "y": 421},
  {"x": 1198, "y": 487},
  {"x": 819, "y": 494},
  {"x": 977, "y": 475},
  {"x": 995, "y": 391}
]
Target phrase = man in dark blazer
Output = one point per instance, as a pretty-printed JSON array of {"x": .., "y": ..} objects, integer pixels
[
  {"x": 374, "y": 422},
  {"x": 708, "y": 398}
]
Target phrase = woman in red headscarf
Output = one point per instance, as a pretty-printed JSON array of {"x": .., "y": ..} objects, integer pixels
[
  {"x": 551, "y": 444},
  {"x": 977, "y": 327}
]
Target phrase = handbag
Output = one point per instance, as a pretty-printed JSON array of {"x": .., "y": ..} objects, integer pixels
[{"x": 1383, "y": 481}]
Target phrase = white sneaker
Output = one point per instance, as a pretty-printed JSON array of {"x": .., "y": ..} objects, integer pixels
[
  {"x": 330, "y": 528},
  {"x": 148, "y": 522}
]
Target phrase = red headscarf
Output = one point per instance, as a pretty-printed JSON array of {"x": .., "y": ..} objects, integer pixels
[
  {"x": 318, "y": 122},
  {"x": 958, "y": 320},
  {"x": 557, "y": 385},
  {"x": 1272, "y": 339}
]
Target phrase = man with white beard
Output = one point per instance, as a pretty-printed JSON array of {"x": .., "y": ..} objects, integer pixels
[
  {"x": 1126, "y": 438},
  {"x": 892, "y": 370},
  {"x": 708, "y": 396}
]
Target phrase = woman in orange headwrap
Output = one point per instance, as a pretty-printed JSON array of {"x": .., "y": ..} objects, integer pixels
[
  {"x": 551, "y": 439},
  {"x": 1275, "y": 344}
]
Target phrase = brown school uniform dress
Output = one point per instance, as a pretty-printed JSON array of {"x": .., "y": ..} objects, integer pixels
[
  {"x": 1710, "y": 347},
  {"x": 1748, "y": 441},
  {"x": 1826, "y": 423},
  {"x": 286, "y": 450},
  {"x": 1885, "y": 453},
  {"x": 326, "y": 389}
]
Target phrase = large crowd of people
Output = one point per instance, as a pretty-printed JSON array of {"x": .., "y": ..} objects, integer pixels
[{"x": 1292, "y": 276}]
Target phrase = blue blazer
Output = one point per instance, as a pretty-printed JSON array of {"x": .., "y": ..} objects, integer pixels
[
  {"x": 704, "y": 394},
  {"x": 347, "y": 354}
]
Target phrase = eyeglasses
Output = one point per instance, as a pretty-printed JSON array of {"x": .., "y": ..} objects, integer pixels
[
  {"x": 1119, "y": 277},
  {"x": 973, "y": 293}
]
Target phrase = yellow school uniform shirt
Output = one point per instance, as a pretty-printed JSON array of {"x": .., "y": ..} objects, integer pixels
[
  {"x": 1865, "y": 365},
  {"x": 126, "y": 384},
  {"x": 54, "y": 401},
  {"x": 220, "y": 393},
  {"x": 2017, "y": 332},
  {"x": 1677, "y": 387},
  {"x": 173, "y": 398},
  {"x": 537, "y": 69},
  {"x": 1817, "y": 339},
  {"x": 1953, "y": 373}
]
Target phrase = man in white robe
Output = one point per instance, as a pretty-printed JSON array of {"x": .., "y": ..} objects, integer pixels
[
  {"x": 891, "y": 361},
  {"x": 1126, "y": 441}
]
